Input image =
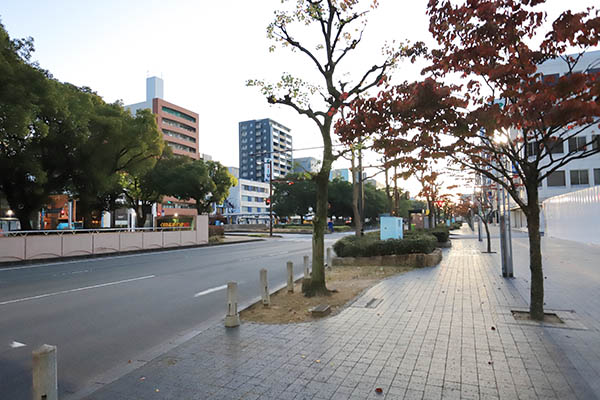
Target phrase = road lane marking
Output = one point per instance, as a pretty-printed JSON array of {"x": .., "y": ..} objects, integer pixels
[
  {"x": 16, "y": 345},
  {"x": 215, "y": 289},
  {"x": 41, "y": 296}
]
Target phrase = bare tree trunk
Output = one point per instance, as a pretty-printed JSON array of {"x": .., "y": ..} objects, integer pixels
[
  {"x": 536, "y": 304},
  {"x": 487, "y": 234},
  {"x": 316, "y": 285},
  {"x": 387, "y": 189}
]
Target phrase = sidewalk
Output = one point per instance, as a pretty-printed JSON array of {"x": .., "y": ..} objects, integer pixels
[{"x": 442, "y": 332}]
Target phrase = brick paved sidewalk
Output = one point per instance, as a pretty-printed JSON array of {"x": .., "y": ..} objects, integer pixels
[{"x": 442, "y": 332}]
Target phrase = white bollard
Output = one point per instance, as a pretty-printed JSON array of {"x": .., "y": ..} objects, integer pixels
[
  {"x": 264, "y": 288},
  {"x": 328, "y": 256},
  {"x": 45, "y": 381},
  {"x": 232, "y": 319},
  {"x": 306, "y": 268},
  {"x": 290, "y": 277}
]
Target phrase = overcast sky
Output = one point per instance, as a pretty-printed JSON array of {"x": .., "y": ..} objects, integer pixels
[{"x": 204, "y": 50}]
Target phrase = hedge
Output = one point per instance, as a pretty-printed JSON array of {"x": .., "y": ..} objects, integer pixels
[
  {"x": 370, "y": 246},
  {"x": 214, "y": 230},
  {"x": 441, "y": 233}
]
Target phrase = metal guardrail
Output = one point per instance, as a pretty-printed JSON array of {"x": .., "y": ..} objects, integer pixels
[{"x": 62, "y": 232}]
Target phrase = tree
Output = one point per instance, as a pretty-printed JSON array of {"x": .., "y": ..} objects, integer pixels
[
  {"x": 206, "y": 183},
  {"x": 484, "y": 209},
  {"x": 334, "y": 21},
  {"x": 375, "y": 202},
  {"x": 519, "y": 120},
  {"x": 223, "y": 181},
  {"x": 115, "y": 143},
  {"x": 340, "y": 198},
  {"x": 294, "y": 195},
  {"x": 24, "y": 100},
  {"x": 148, "y": 186}
]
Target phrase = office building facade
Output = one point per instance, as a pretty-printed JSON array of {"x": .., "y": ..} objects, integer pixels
[
  {"x": 307, "y": 164},
  {"x": 246, "y": 203},
  {"x": 180, "y": 129},
  {"x": 261, "y": 141}
]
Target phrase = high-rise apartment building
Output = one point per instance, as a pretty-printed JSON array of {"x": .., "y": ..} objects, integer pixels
[
  {"x": 178, "y": 125},
  {"x": 260, "y": 141}
]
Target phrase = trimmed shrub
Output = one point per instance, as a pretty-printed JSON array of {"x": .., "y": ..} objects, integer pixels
[
  {"x": 441, "y": 234},
  {"x": 214, "y": 230},
  {"x": 370, "y": 246},
  {"x": 342, "y": 228}
]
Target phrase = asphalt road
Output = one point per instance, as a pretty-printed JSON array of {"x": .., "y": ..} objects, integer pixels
[{"x": 110, "y": 314}]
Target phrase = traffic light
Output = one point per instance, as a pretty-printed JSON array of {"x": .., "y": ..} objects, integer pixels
[{"x": 268, "y": 201}]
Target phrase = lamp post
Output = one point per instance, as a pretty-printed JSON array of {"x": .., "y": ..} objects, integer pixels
[{"x": 502, "y": 139}]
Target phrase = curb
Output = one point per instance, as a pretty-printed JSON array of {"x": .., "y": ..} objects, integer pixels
[{"x": 7, "y": 264}]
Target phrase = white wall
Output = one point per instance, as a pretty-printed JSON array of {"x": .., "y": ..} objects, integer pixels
[{"x": 574, "y": 216}]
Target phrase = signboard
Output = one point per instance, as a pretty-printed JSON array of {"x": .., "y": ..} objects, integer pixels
[
  {"x": 175, "y": 222},
  {"x": 267, "y": 166},
  {"x": 121, "y": 217}
]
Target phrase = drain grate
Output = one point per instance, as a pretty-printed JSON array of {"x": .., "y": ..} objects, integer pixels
[{"x": 367, "y": 302}]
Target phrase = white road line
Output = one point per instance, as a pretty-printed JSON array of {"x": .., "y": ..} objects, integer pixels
[
  {"x": 15, "y": 345},
  {"x": 75, "y": 290},
  {"x": 207, "y": 291}
]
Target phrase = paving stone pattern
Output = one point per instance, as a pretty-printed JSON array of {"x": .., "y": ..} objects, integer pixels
[{"x": 440, "y": 332}]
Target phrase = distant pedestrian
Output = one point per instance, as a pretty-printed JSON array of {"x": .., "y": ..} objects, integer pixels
[{"x": 330, "y": 226}]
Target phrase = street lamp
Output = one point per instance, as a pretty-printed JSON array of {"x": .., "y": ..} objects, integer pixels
[{"x": 502, "y": 139}]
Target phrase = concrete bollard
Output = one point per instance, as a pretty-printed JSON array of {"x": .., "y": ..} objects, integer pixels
[
  {"x": 290, "y": 277},
  {"x": 328, "y": 261},
  {"x": 306, "y": 268},
  {"x": 45, "y": 381},
  {"x": 264, "y": 288},
  {"x": 232, "y": 319}
]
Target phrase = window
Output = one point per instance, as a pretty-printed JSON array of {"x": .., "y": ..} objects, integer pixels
[
  {"x": 169, "y": 132},
  {"x": 557, "y": 147},
  {"x": 579, "y": 177},
  {"x": 576, "y": 144},
  {"x": 557, "y": 178},
  {"x": 550, "y": 79},
  {"x": 178, "y": 114},
  {"x": 181, "y": 147},
  {"x": 532, "y": 149},
  {"x": 168, "y": 121},
  {"x": 595, "y": 142},
  {"x": 596, "y": 176}
]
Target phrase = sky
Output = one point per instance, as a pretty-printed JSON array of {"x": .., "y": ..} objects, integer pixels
[{"x": 205, "y": 51}]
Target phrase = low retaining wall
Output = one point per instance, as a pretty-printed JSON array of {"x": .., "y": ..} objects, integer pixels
[
  {"x": 405, "y": 260},
  {"x": 69, "y": 244}
]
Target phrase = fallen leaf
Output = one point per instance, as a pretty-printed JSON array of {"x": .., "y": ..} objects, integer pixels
[
  {"x": 317, "y": 361},
  {"x": 378, "y": 390},
  {"x": 493, "y": 328},
  {"x": 490, "y": 362}
]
